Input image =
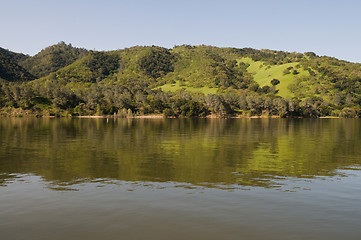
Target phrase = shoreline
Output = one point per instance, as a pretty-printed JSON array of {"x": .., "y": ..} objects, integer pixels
[
  {"x": 160, "y": 116},
  {"x": 210, "y": 117},
  {"x": 141, "y": 116}
]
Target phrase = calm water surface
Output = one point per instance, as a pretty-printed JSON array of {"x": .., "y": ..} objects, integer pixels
[{"x": 180, "y": 179}]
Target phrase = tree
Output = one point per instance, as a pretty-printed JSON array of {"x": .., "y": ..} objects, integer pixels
[{"x": 275, "y": 82}]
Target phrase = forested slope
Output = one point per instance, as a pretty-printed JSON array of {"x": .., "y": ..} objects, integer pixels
[
  {"x": 51, "y": 59},
  {"x": 185, "y": 81},
  {"x": 10, "y": 70}
]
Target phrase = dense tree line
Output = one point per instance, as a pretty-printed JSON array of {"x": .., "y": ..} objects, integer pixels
[{"x": 98, "y": 99}]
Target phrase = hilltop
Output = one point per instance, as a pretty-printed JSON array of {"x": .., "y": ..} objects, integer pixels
[
  {"x": 52, "y": 59},
  {"x": 182, "y": 81}
]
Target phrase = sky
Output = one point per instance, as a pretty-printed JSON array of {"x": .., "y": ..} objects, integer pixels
[{"x": 326, "y": 27}]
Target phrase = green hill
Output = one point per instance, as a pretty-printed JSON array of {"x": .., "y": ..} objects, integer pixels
[
  {"x": 52, "y": 58},
  {"x": 182, "y": 81}
]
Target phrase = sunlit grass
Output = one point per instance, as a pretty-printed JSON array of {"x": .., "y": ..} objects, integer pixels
[
  {"x": 177, "y": 86},
  {"x": 263, "y": 74}
]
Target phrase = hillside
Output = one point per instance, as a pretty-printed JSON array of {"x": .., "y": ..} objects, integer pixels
[
  {"x": 182, "y": 81},
  {"x": 51, "y": 59},
  {"x": 10, "y": 70}
]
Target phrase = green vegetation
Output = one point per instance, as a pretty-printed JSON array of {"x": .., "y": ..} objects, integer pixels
[
  {"x": 63, "y": 80},
  {"x": 178, "y": 86},
  {"x": 52, "y": 58},
  {"x": 10, "y": 70},
  {"x": 263, "y": 74}
]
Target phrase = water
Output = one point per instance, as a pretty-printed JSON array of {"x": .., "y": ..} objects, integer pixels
[{"x": 180, "y": 179}]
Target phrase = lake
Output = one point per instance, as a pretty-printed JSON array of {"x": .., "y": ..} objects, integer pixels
[{"x": 180, "y": 179}]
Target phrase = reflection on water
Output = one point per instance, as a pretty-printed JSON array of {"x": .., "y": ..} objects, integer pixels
[
  {"x": 232, "y": 153},
  {"x": 175, "y": 179}
]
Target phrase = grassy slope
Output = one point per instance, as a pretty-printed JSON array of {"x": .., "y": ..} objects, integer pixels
[
  {"x": 193, "y": 67},
  {"x": 176, "y": 86},
  {"x": 263, "y": 75}
]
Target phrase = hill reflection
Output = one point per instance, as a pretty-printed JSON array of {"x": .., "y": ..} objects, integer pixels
[{"x": 199, "y": 152}]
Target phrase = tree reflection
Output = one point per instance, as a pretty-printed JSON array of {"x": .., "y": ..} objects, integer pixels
[{"x": 201, "y": 152}]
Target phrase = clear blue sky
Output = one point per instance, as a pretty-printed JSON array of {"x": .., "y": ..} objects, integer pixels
[{"x": 326, "y": 27}]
